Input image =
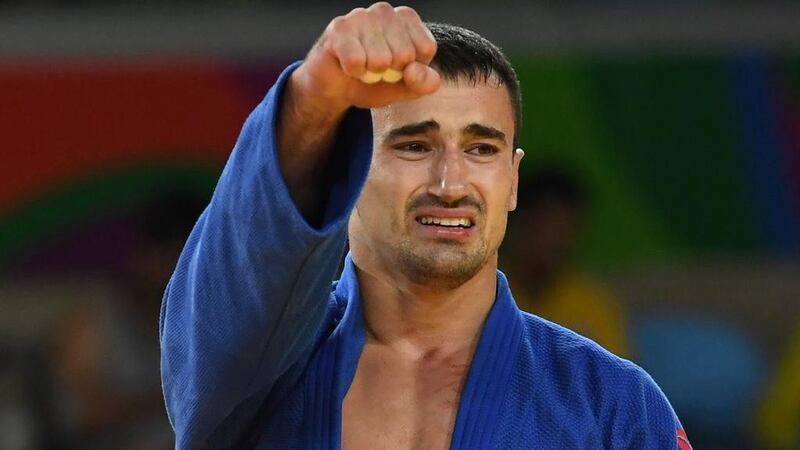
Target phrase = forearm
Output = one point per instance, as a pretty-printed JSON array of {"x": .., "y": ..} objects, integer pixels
[{"x": 307, "y": 126}]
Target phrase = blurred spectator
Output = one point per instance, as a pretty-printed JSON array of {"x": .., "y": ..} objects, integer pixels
[
  {"x": 25, "y": 399},
  {"x": 551, "y": 212},
  {"x": 107, "y": 354},
  {"x": 778, "y": 419}
]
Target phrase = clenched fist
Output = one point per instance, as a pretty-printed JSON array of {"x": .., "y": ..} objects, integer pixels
[{"x": 371, "y": 58}]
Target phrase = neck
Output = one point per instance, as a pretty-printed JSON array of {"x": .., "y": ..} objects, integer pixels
[{"x": 420, "y": 320}]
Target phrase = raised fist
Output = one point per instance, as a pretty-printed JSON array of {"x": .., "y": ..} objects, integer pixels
[{"x": 371, "y": 58}]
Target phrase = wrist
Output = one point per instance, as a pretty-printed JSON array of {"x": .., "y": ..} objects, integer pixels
[{"x": 308, "y": 100}]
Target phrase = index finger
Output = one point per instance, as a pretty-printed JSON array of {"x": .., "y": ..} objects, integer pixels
[{"x": 421, "y": 36}]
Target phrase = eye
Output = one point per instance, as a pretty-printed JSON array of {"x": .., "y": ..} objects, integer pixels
[
  {"x": 483, "y": 150},
  {"x": 412, "y": 147}
]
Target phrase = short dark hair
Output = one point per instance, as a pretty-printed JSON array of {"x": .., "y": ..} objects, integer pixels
[{"x": 464, "y": 53}]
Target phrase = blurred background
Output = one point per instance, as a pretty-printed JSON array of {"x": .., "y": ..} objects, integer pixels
[{"x": 659, "y": 210}]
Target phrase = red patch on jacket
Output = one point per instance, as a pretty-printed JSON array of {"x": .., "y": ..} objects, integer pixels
[{"x": 683, "y": 441}]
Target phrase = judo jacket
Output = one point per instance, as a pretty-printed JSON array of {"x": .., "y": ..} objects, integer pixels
[{"x": 259, "y": 345}]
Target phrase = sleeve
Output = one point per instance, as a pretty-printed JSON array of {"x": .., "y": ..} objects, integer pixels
[
  {"x": 251, "y": 287},
  {"x": 644, "y": 419}
]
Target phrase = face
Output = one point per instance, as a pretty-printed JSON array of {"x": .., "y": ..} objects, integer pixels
[{"x": 443, "y": 179}]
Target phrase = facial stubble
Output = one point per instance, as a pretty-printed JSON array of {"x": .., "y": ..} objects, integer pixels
[{"x": 444, "y": 263}]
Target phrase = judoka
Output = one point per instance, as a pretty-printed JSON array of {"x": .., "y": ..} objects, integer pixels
[{"x": 401, "y": 137}]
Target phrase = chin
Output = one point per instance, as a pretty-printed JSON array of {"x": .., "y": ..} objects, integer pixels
[{"x": 441, "y": 264}]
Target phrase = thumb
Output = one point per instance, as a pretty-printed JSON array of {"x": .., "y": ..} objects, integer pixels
[{"x": 421, "y": 79}]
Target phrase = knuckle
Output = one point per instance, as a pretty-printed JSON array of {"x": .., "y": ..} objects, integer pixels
[
  {"x": 380, "y": 60},
  {"x": 381, "y": 7},
  {"x": 325, "y": 43},
  {"x": 353, "y": 60},
  {"x": 382, "y": 11},
  {"x": 428, "y": 47},
  {"x": 338, "y": 25},
  {"x": 404, "y": 55},
  {"x": 357, "y": 13},
  {"x": 407, "y": 13}
]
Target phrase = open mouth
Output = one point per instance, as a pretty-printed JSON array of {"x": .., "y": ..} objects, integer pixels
[{"x": 449, "y": 222}]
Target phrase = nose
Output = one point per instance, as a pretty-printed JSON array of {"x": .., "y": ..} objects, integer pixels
[{"x": 448, "y": 176}]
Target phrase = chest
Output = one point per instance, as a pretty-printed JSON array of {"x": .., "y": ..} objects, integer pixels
[{"x": 394, "y": 403}]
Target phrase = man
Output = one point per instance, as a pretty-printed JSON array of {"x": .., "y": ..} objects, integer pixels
[{"x": 419, "y": 344}]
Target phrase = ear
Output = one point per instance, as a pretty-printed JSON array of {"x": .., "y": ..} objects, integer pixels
[{"x": 512, "y": 199}]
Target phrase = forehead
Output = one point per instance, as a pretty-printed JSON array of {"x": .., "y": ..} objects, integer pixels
[{"x": 455, "y": 105}]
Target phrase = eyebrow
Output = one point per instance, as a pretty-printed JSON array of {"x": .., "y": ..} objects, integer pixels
[
  {"x": 484, "y": 131},
  {"x": 474, "y": 129},
  {"x": 412, "y": 129}
]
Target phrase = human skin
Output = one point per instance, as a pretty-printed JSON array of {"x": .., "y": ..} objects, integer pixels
[{"x": 426, "y": 289}]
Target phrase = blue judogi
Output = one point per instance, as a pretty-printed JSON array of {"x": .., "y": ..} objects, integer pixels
[{"x": 258, "y": 350}]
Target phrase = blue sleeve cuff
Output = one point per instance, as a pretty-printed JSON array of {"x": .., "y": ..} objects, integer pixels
[{"x": 349, "y": 163}]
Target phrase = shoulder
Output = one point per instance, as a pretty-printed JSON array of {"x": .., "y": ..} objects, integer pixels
[
  {"x": 620, "y": 396},
  {"x": 563, "y": 347}
]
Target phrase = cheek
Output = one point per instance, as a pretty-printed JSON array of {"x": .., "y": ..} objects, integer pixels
[
  {"x": 382, "y": 201},
  {"x": 498, "y": 216},
  {"x": 498, "y": 197}
]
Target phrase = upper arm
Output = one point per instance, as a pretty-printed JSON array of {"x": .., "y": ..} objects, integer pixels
[{"x": 644, "y": 417}]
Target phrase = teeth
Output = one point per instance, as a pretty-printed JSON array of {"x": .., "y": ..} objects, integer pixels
[{"x": 446, "y": 221}]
